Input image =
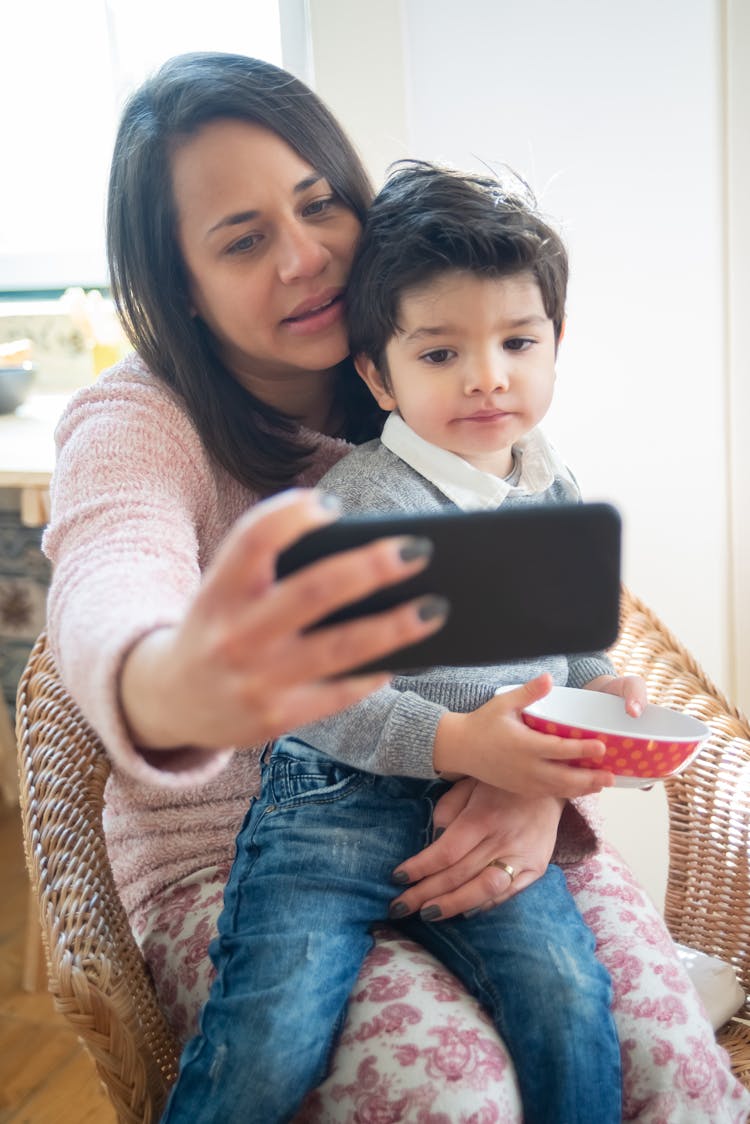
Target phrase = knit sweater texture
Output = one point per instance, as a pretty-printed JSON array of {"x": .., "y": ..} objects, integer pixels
[
  {"x": 138, "y": 512},
  {"x": 139, "y": 509}
]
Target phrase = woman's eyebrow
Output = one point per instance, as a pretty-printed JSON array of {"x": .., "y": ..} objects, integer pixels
[
  {"x": 248, "y": 216},
  {"x": 308, "y": 181}
]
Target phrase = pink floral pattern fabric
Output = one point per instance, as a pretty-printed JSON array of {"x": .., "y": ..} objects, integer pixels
[{"x": 417, "y": 1048}]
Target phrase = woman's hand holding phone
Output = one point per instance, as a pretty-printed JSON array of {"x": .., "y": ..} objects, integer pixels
[{"x": 241, "y": 668}]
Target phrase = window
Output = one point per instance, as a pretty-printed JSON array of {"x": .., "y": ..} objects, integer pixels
[{"x": 67, "y": 69}]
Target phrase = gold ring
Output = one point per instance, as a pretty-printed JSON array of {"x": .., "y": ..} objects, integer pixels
[{"x": 509, "y": 870}]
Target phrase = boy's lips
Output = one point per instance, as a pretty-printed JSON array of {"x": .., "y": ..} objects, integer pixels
[{"x": 486, "y": 415}]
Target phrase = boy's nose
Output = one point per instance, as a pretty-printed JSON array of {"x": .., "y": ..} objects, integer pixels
[
  {"x": 301, "y": 254},
  {"x": 487, "y": 376}
]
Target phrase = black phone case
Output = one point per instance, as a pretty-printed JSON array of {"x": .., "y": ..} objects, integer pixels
[{"x": 535, "y": 581}]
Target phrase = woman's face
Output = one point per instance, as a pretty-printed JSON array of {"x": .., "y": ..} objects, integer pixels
[{"x": 268, "y": 247}]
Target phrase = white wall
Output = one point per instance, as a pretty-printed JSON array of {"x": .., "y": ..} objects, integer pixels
[
  {"x": 613, "y": 113},
  {"x": 737, "y": 79}
]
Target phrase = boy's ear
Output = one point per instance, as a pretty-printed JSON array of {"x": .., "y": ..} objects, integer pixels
[
  {"x": 559, "y": 339},
  {"x": 370, "y": 374}
]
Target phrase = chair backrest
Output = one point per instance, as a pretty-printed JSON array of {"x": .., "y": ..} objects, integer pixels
[
  {"x": 96, "y": 973},
  {"x": 707, "y": 902}
]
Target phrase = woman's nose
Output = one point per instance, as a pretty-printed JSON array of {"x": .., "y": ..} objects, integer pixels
[{"x": 301, "y": 254}]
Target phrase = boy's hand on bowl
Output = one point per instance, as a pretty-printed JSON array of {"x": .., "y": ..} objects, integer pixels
[
  {"x": 494, "y": 744},
  {"x": 631, "y": 688}
]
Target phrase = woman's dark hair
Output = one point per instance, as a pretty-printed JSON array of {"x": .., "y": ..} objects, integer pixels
[
  {"x": 259, "y": 445},
  {"x": 429, "y": 220}
]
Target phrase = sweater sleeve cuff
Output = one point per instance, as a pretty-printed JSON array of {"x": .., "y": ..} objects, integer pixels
[
  {"x": 411, "y": 729},
  {"x": 580, "y": 832},
  {"x": 182, "y": 767},
  {"x": 582, "y": 669}
]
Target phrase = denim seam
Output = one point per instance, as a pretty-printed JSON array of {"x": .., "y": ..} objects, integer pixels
[{"x": 449, "y": 935}]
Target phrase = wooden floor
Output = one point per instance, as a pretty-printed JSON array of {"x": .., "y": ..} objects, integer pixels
[{"x": 46, "y": 1077}]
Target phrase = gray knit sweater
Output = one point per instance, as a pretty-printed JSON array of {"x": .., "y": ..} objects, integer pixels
[{"x": 393, "y": 731}]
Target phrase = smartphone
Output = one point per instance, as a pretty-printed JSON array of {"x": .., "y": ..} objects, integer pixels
[{"x": 534, "y": 581}]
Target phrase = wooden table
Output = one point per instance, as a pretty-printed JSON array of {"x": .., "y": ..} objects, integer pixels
[{"x": 27, "y": 457}]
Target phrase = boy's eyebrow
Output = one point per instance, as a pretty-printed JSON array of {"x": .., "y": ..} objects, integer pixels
[
  {"x": 248, "y": 216},
  {"x": 446, "y": 329}
]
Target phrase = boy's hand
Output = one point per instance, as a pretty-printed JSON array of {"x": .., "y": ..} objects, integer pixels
[
  {"x": 631, "y": 688},
  {"x": 494, "y": 744}
]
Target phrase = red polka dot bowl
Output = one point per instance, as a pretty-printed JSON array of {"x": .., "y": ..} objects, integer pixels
[{"x": 639, "y": 751}]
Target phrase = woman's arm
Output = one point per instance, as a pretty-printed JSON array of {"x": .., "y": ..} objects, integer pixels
[{"x": 138, "y": 515}]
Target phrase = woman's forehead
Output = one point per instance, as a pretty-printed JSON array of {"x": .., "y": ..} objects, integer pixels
[{"x": 231, "y": 166}]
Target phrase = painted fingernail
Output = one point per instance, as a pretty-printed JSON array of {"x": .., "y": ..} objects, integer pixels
[
  {"x": 430, "y": 913},
  {"x": 437, "y": 833},
  {"x": 472, "y": 912},
  {"x": 400, "y": 877},
  {"x": 415, "y": 547},
  {"x": 433, "y": 607},
  {"x": 329, "y": 502},
  {"x": 398, "y": 909}
]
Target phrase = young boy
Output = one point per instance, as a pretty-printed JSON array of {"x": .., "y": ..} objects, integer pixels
[{"x": 456, "y": 311}]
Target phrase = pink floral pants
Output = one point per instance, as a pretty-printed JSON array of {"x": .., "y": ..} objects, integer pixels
[{"x": 417, "y": 1048}]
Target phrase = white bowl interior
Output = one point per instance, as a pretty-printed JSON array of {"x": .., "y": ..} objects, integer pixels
[{"x": 593, "y": 710}]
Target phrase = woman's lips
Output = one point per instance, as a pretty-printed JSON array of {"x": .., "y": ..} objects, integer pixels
[{"x": 315, "y": 315}]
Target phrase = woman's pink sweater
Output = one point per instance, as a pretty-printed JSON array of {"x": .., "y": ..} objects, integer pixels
[{"x": 138, "y": 511}]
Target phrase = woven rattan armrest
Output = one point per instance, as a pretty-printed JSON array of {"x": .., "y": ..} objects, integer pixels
[
  {"x": 96, "y": 973},
  {"x": 707, "y": 901}
]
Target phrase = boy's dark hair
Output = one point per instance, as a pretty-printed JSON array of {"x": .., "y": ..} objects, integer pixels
[
  {"x": 260, "y": 446},
  {"x": 428, "y": 220}
]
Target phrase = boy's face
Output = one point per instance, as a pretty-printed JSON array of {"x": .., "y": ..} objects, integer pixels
[{"x": 473, "y": 367}]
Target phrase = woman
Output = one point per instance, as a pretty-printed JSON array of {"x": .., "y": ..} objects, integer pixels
[{"x": 235, "y": 205}]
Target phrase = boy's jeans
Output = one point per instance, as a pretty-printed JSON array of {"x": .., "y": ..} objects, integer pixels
[{"x": 311, "y": 875}]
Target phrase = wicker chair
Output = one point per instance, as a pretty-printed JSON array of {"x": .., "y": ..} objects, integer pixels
[
  {"x": 95, "y": 971},
  {"x": 97, "y": 976}
]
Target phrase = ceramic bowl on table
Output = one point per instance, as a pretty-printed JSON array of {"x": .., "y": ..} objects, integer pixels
[
  {"x": 15, "y": 384},
  {"x": 639, "y": 751}
]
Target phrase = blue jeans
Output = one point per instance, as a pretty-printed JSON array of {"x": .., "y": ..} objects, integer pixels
[{"x": 311, "y": 877}]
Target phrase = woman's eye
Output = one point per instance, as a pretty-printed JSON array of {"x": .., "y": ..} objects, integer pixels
[
  {"x": 518, "y": 344},
  {"x": 244, "y": 244},
  {"x": 318, "y": 206},
  {"x": 439, "y": 355}
]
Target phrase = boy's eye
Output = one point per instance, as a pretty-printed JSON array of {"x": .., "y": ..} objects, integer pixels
[
  {"x": 438, "y": 355},
  {"x": 518, "y": 344}
]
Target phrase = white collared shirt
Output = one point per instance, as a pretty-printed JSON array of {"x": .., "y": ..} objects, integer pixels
[{"x": 470, "y": 488}]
